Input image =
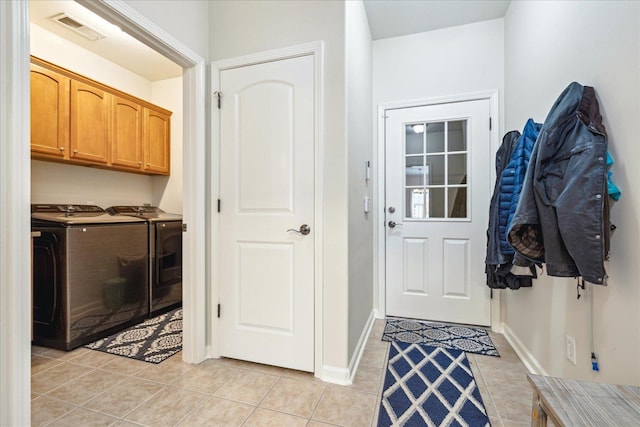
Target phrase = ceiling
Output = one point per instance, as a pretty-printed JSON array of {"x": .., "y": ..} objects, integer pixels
[
  {"x": 387, "y": 18},
  {"x": 118, "y": 47},
  {"x": 393, "y": 18}
]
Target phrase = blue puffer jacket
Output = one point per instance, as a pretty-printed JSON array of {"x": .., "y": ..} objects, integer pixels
[{"x": 512, "y": 179}]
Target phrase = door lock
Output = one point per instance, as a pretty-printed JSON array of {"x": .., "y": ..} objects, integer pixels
[{"x": 393, "y": 224}]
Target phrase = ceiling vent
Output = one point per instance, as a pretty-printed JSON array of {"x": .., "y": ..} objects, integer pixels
[{"x": 73, "y": 24}]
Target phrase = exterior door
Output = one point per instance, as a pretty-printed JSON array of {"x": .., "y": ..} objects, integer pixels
[
  {"x": 437, "y": 203},
  {"x": 267, "y": 213}
]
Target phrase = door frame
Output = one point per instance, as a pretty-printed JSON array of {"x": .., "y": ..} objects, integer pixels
[
  {"x": 15, "y": 223},
  {"x": 315, "y": 49},
  {"x": 379, "y": 212}
]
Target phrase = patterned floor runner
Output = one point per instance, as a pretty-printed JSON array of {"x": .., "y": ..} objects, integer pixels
[
  {"x": 451, "y": 336},
  {"x": 153, "y": 340},
  {"x": 430, "y": 386}
]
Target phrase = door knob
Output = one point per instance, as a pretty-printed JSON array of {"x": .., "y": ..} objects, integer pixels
[
  {"x": 393, "y": 224},
  {"x": 304, "y": 230}
]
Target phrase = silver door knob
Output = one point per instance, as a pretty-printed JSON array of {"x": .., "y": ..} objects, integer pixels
[
  {"x": 393, "y": 224},
  {"x": 304, "y": 230}
]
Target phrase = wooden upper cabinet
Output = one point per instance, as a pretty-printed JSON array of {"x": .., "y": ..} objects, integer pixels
[
  {"x": 49, "y": 113},
  {"x": 90, "y": 108},
  {"x": 126, "y": 133},
  {"x": 77, "y": 120},
  {"x": 157, "y": 130}
]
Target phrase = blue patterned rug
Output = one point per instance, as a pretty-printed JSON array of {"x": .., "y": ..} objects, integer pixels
[
  {"x": 451, "y": 336},
  {"x": 153, "y": 340},
  {"x": 430, "y": 386}
]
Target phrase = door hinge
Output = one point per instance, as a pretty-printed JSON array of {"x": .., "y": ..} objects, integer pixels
[
  {"x": 184, "y": 228},
  {"x": 218, "y": 205},
  {"x": 218, "y": 95},
  {"x": 489, "y": 123},
  {"x": 218, "y": 311}
]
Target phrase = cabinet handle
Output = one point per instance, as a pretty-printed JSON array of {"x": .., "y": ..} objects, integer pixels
[
  {"x": 139, "y": 163},
  {"x": 61, "y": 148},
  {"x": 148, "y": 164},
  {"x": 75, "y": 151}
]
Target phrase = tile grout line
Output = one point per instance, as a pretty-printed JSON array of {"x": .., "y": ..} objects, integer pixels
[
  {"x": 488, "y": 390},
  {"x": 376, "y": 409},
  {"x": 66, "y": 382},
  {"x": 315, "y": 407},
  {"x": 263, "y": 398},
  {"x": 313, "y": 413}
]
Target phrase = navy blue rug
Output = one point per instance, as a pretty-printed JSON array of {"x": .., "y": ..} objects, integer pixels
[
  {"x": 430, "y": 386},
  {"x": 452, "y": 336}
]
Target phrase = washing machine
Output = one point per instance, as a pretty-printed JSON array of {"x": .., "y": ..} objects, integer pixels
[
  {"x": 90, "y": 275},
  {"x": 165, "y": 254}
]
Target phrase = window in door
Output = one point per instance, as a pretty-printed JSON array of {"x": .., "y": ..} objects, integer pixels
[{"x": 436, "y": 169}]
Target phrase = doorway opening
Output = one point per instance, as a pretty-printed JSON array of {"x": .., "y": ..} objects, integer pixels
[
  {"x": 195, "y": 199},
  {"x": 426, "y": 196}
]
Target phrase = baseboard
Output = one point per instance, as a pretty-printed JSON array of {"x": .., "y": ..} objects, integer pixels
[
  {"x": 212, "y": 352},
  {"x": 344, "y": 376},
  {"x": 331, "y": 374},
  {"x": 362, "y": 343},
  {"x": 529, "y": 361}
]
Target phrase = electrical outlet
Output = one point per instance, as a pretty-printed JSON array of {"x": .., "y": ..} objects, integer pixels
[{"x": 571, "y": 349}]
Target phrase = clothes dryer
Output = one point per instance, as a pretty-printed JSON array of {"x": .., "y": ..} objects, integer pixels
[{"x": 165, "y": 254}]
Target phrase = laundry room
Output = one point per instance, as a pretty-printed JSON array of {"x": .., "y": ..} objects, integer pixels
[{"x": 120, "y": 179}]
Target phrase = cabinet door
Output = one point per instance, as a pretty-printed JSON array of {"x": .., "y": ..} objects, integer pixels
[
  {"x": 49, "y": 113},
  {"x": 156, "y": 141},
  {"x": 89, "y": 123},
  {"x": 126, "y": 134}
]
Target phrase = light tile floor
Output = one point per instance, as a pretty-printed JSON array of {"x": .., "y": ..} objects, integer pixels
[{"x": 89, "y": 388}]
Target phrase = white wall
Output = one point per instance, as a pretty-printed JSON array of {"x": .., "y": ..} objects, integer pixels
[
  {"x": 452, "y": 61},
  {"x": 55, "y": 49},
  {"x": 244, "y": 27},
  {"x": 167, "y": 190},
  {"x": 186, "y": 20},
  {"x": 63, "y": 183},
  {"x": 547, "y": 46},
  {"x": 359, "y": 121}
]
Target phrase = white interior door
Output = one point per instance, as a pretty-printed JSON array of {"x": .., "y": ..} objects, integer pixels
[
  {"x": 437, "y": 202},
  {"x": 267, "y": 213}
]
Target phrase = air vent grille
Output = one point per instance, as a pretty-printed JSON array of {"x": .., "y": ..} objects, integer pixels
[
  {"x": 70, "y": 22},
  {"x": 77, "y": 26}
]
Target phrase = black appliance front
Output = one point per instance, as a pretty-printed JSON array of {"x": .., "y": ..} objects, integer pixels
[
  {"x": 88, "y": 281},
  {"x": 166, "y": 275}
]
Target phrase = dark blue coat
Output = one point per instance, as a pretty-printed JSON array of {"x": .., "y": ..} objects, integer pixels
[
  {"x": 512, "y": 179},
  {"x": 494, "y": 255},
  {"x": 498, "y": 265}
]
